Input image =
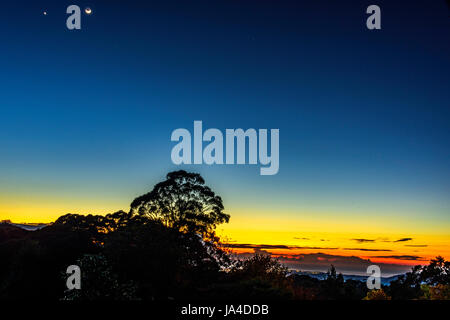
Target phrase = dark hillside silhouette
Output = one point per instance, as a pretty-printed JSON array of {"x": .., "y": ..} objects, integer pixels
[{"x": 10, "y": 232}]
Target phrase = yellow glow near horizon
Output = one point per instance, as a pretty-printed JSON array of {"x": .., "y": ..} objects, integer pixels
[
  {"x": 339, "y": 234},
  {"x": 44, "y": 210},
  {"x": 256, "y": 227}
]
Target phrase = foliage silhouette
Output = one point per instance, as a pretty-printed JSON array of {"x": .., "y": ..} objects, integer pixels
[
  {"x": 182, "y": 202},
  {"x": 410, "y": 285},
  {"x": 100, "y": 282}
]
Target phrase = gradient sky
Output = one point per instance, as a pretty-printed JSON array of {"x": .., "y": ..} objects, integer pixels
[{"x": 364, "y": 116}]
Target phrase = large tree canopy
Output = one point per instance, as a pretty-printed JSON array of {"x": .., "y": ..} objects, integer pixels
[{"x": 184, "y": 202}]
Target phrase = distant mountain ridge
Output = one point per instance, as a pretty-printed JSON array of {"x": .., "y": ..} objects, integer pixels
[
  {"x": 324, "y": 275},
  {"x": 25, "y": 226}
]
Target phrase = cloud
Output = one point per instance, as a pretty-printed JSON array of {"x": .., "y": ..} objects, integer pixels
[
  {"x": 298, "y": 238},
  {"x": 404, "y": 257},
  {"x": 270, "y": 246},
  {"x": 364, "y": 249},
  {"x": 363, "y": 240},
  {"x": 416, "y": 245},
  {"x": 255, "y": 246},
  {"x": 403, "y": 240},
  {"x": 382, "y": 240}
]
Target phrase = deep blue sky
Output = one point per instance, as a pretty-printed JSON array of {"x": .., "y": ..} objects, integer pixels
[{"x": 364, "y": 119}]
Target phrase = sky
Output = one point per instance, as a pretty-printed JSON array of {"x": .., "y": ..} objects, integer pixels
[{"x": 364, "y": 117}]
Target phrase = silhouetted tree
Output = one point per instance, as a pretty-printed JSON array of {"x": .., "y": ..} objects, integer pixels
[
  {"x": 437, "y": 272},
  {"x": 99, "y": 282},
  {"x": 333, "y": 286},
  {"x": 262, "y": 266},
  {"x": 259, "y": 277},
  {"x": 354, "y": 289},
  {"x": 164, "y": 262},
  {"x": 410, "y": 285},
  {"x": 304, "y": 287},
  {"x": 183, "y": 202}
]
